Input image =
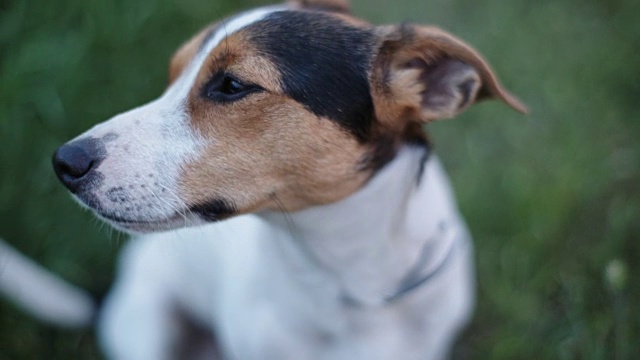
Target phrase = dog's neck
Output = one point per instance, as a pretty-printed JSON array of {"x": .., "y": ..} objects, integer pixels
[{"x": 372, "y": 240}]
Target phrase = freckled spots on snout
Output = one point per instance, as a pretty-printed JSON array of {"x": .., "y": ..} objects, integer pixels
[
  {"x": 109, "y": 137},
  {"x": 135, "y": 196},
  {"x": 117, "y": 195}
]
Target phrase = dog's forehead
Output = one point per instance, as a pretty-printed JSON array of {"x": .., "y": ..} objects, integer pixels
[
  {"x": 322, "y": 59},
  {"x": 324, "y": 63},
  {"x": 233, "y": 24},
  {"x": 283, "y": 19},
  {"x": 189, "y": 59}
]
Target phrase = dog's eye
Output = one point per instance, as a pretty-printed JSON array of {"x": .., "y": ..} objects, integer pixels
[
  {"x": 231, "y": 86},
  {"x": 226, "y": 88}
]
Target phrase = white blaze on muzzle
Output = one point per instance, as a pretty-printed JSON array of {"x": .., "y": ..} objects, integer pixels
[{"x": 135, "y": 185}]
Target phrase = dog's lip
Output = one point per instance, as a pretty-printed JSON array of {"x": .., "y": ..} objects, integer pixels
[
  {"x": 125, "y": 222},
  {"x": 145, "y": 226}
]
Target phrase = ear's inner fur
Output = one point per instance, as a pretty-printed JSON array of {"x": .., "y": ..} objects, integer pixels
[{"x": 449, "y": 81}]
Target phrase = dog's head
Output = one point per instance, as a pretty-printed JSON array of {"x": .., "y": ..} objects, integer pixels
[{"x": 280, "y": 108}]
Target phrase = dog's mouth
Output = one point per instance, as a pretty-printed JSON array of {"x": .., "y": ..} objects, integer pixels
[
  {"x": 157, "y": 220},
  {"x": 136, "y": 223},
  {"x": 146, "y": 225}
]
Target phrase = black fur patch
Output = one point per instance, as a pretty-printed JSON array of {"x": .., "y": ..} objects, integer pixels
[
  {"x": 214, "y": 210},
  {"x": 385, "y": 148},
  {"x": 423, "y": 162},
  {"x": 324, "y": 64},
  {"x": 383, "y": 151}
]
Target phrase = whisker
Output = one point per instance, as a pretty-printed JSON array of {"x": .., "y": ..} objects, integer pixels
[{"x": 177, "y": 210}]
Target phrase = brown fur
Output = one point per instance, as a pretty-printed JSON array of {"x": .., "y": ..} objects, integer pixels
[
  {"x": 186, "y": 53},
  {"x": 266, "y": 150},
  {"x": 398, "y": 76},
  {"x": 324, "y": 5}
]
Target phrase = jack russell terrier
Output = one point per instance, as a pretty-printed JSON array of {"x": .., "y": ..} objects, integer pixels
[{"x": 284, "y": 199}]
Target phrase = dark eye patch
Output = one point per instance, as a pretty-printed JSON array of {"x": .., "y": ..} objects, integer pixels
[
  {"x": 324, "y": 64},
  {"x": 226, "y": 88}
]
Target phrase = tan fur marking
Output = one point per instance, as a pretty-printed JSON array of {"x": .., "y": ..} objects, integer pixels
[
  {"x": 238, "y": 57},
  {"x": 183, "y": 56},
  {"x": 337, "y": 8},
  {"x": 445, "y": 43},
  {"x": 352, "y": 20},
  {"x": 397, "y": 85},
  {"x": 326, "y": 5},
  {"x": 265, "y": 150}
]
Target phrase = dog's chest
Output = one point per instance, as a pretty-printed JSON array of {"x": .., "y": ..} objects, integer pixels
[
  {"x": 272, "y": 298},
  {"x": 283, "y": 312},
  {"x": 277, "y": 328}
]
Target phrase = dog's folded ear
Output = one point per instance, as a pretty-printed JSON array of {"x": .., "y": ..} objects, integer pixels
[
  {"x": 424, "y": 73},
  {"x": 340, "y": 6}
]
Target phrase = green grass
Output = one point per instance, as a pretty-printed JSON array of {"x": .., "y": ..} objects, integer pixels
[{"x": 552, "y": 199}]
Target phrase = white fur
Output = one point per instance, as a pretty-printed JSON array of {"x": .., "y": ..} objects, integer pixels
[{"x": 270, "y": 285}]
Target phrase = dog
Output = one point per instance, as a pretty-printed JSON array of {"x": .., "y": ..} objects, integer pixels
[{"x": 284, "y": 199}]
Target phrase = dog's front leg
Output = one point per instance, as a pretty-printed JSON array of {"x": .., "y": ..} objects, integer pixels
[{"x": 138, "y": 320}]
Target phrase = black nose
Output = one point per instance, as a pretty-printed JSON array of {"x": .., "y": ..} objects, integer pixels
[{"x": 74, "y": 162}]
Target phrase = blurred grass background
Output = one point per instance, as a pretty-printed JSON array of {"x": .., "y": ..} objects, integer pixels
[{"x": 553, "y": 199}]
